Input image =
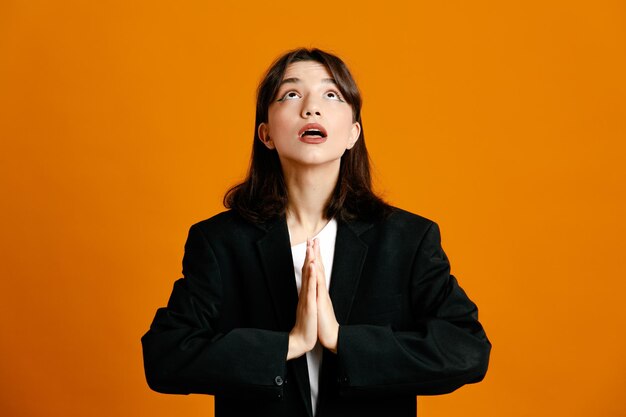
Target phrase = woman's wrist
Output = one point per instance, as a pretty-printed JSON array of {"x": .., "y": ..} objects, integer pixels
[
  {"x": 295, "y": 349},
  {"x": 331, "y": 341}
]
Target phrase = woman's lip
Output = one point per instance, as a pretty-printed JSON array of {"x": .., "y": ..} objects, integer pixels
[
  {"x": 309, "y": 126},
  {"x": 312, "y": 139}
]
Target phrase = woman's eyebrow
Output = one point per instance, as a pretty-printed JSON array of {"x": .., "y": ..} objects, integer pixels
[{"x": 295, "y": 80}]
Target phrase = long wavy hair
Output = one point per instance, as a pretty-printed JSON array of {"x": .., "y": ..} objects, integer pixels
[{"x": 263, "y": 194}]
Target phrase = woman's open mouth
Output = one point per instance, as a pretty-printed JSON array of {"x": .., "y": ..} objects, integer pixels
[{"x": 312, "y": 133}]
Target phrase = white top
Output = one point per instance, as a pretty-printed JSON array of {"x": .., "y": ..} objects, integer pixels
[{"x": 326, "y": 238}]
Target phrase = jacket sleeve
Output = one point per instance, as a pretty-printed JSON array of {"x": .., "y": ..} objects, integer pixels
[
  {"x": 446, "y": 349},
  {"x": 184, "y": 352}
]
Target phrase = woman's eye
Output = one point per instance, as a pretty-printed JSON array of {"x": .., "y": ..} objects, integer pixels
[
  {"x": 290, "y": 95},
  {"x": 333, "y": 95}
]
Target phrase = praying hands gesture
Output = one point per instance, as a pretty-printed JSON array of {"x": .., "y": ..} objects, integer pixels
[{"x": 315, "y": 317}]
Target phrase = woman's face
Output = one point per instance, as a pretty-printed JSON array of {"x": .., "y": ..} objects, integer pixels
[{"x": 309, "y": 123}]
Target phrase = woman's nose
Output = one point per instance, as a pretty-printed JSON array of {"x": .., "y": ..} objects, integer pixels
[{"x": 310, "y": 107}]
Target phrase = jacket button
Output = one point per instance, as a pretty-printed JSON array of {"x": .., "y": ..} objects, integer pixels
[{"x": 278, "y": 380}]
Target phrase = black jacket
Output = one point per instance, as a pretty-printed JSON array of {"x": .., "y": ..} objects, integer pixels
[{"x": 406, "y": 326}]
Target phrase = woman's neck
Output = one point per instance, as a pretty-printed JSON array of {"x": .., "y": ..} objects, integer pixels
[{"x": 309, "y": 189}]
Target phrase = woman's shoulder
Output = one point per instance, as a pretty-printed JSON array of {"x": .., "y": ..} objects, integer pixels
[
  {"x": 405, "y": 219},
  {"x": 224, "y": 219},
  {"x": 398, "y": 224},
  {"x": 229, "y": 224}
]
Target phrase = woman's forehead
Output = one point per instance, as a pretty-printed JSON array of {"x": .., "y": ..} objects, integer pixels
[{"x": 306, "y": 68}]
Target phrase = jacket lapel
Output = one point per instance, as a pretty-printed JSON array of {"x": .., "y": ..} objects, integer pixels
[
  {"x": 275, "y": 251},
  {"x": 350, "y": 252}
]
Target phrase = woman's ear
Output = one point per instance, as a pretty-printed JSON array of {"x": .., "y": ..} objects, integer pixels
[
  {"x": 355, "y": 132},
  {"x": 264, "y": 134}
]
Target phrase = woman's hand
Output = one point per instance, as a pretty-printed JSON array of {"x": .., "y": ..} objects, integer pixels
[
  {"x": 303, "y": 336},
  {"x": 315, "y": 316},
  {"x": 327, "y": 325}
]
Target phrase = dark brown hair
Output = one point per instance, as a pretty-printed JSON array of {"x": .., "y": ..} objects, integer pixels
[{"x": 263, "y": 194}]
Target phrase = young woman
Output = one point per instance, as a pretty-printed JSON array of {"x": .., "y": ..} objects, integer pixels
[{"x": 311, "y": 296}]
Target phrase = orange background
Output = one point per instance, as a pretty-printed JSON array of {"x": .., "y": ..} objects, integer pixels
[{"x": 123, "y": 122}]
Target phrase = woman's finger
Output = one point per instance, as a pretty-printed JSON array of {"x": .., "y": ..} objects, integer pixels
[
  {"x": 312, "y": 286},
  {"x": 318, "y": 252},
  {"x": 318, "y": 257},
  {"x": 306, "y": 253},
  {"x": 307, "y": 259}
]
